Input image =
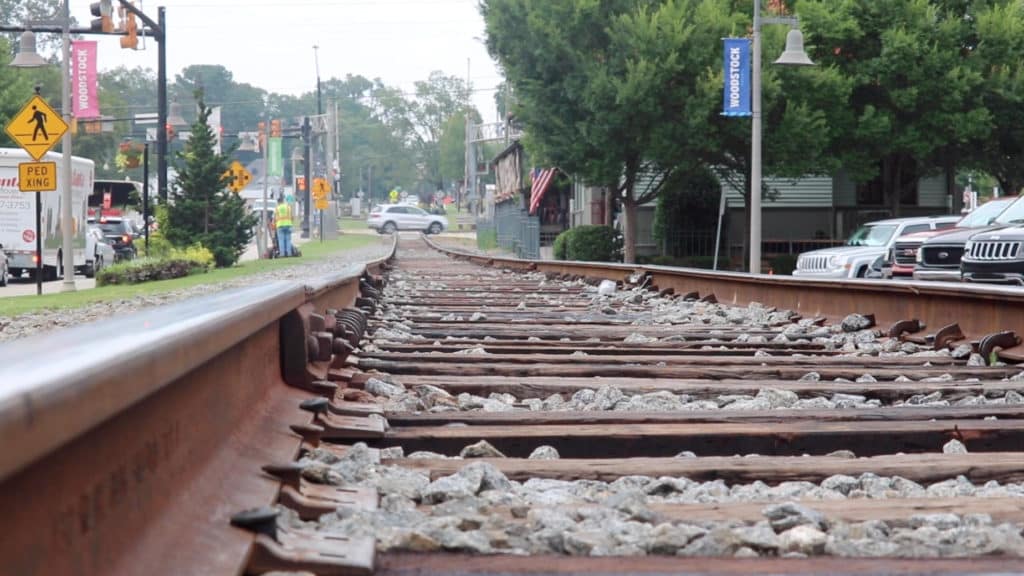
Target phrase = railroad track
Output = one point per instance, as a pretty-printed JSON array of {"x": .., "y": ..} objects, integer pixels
[{"x": 451, "y": 413}]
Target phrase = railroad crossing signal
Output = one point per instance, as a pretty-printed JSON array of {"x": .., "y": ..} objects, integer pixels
[
  {"x": 320, "y": 188},
  {"x": 37, "y": 127},
  {"x": 239, "y": 177}
]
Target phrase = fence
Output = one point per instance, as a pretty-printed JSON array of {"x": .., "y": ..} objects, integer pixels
[{"x": 513, "y": 229}]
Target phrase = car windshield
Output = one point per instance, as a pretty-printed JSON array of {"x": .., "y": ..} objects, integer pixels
[
  {"x": 113, "y": 228},
  {"x": 1014, "y": 214},
  {"x": 877, "y": 235},
  {"x": 984, "y": 214}
]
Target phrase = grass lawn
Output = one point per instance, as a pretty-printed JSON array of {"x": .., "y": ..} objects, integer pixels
[
  {"x": 352, "y": 224},
  {"x": 310, "y": 251}
]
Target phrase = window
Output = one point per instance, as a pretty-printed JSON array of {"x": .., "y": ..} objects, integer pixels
[
  {"x": 397, "y": 210},
  {"x": 944, "y": 225},
  {"x": 914, "y": 228},
  {"x": 415, "y": 211}
]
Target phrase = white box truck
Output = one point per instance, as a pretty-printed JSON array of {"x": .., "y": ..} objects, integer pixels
[{"x": 18, "y": 215}]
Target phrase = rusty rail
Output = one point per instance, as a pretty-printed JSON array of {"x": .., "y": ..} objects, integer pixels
[
  {"x": 127, "y": 445},
  {"x": 980, "y": 310}
]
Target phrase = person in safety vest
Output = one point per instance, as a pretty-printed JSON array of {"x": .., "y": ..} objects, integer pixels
[
  {"x": 393, "y": 196},
  {"x": 283, "y": 224}
]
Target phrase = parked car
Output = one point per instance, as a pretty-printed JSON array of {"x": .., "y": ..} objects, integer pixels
[
  {"x": 903, "y": 256},
  {"x": 864, "y": 246},
  {"x": 940, "y": 256},
  {"x": 100, "y": 253},
  {"x": 387, "y": 218},
  {"x": 120, "y": 234},
  {"x": 995, "y": 256},
  {"x": 3, "y": 267}
]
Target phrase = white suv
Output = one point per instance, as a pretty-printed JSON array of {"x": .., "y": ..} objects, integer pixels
[{"x": 387, "y": 218}]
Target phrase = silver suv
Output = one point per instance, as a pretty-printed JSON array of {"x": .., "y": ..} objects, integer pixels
[
  {"x": 387, "y": 218},
  {"x": 864, "y": 246}
]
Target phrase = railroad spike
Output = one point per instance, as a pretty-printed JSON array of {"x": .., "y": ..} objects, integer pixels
[{"x": 261, "y": 520}]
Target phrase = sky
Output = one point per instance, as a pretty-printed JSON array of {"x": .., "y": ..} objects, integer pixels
[{"x": 269, "y": 43}]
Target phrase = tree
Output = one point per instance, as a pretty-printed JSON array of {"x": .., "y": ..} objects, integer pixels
[
  {"x": 998, "y": 51},
  {"x": 917, "y": 99},
  {"x": 616, "y": 92},
  {"x": 202, "y": 209},
  {"x": 438, "y": 99}
]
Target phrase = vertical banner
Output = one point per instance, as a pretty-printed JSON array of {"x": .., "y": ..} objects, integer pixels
[
  {"x": 275, "y": 161},
  {"x": 86, "y": 102},
  {"x": 736, "y": 97},
  {"x": 214, "y": 123}
]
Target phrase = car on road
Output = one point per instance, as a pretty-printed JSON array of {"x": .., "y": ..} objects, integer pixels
[
  {"x": 4, "y": 273},
  {"x": 940, "y": 257},
  {"x": 120, "y": 234},
  {"x": 864, "y": 246},
  {"x": 100, "y": 253},
  {"x": 904, "y": 254},
  {"x": 995, "y": 256},
  {"x": 388, "y": 218}
]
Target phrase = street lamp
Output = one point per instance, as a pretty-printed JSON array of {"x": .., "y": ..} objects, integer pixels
[
  {"x": 28, "y": 58},
  {"x": 794, "y": 55}
]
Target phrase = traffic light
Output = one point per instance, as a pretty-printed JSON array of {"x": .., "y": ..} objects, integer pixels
[
  {"x": 129, "y": 25},
  {"x": 262, "y": 127},
  {"x": 105, "y": 12},
  {"x": 275, "y": 128},
  {"x": 170, "y": 132}
]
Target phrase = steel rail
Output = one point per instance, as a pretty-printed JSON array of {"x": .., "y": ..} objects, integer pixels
[
  {"x": 978, "y": 309},
  {"x": 127, "y": 444}
]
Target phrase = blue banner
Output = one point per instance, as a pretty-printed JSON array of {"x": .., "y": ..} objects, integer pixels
[{"x": 736, "y": 97}]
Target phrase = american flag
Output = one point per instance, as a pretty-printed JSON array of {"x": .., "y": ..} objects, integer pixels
[{"x": 541, "y": 181}]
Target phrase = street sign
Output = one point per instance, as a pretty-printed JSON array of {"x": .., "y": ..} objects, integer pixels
[
  {"x": 239, "y": 177},
  {"x": 322, "y": 203},
  {"x": 37, "y": 128},
  {"x": 320, "y": 188},
  {"x": 37, "y": 176}
]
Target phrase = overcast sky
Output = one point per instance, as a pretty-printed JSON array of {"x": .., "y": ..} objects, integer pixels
[{"x": 269, "y": 43}]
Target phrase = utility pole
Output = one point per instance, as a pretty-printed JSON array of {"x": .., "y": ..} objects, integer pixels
[
  {"x": 332, "y": 129},
  {"x": 66, "y": 216},
  {"x": 261, "y": 238},
  {"x": 306, "y": 205}
]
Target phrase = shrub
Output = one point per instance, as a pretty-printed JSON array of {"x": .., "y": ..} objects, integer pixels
[
  {"x": 177, "y": 263},
  {"x": 487, "y": 239},
  {"x": 783, "y": 264},
  {"x": 146, "y": 270},
  {"x": 560, "y": 245},
  {"x": 594, "y": 244}
]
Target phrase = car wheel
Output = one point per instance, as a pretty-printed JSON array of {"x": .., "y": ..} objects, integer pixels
[
  {"x": 390, "y": 228},
  {"x": 435, "y": 228},
  {"x": 3, "y": 276}
]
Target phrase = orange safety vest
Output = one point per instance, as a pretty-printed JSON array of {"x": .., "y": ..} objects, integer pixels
[{"x": 283, "y": 215}]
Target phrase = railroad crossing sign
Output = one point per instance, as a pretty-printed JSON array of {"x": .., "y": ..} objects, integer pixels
[
  {"x": 37, "y": 128},
  {"x": 320, "y": 188},
  {"x": 239, "y": 176},
  {"x": 37, "y": 176}
]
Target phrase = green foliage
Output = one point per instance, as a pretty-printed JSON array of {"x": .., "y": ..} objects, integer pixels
[
  {"x": 689, "y": 202},
  {"x": 589, "y": 244},
  {"x": 560, "y": 246},
  {"x": 148, "y": 270},
  {"x": 202, "y": 209},
  {"x": 487, "y": 240},
  {"x": 783, "y": 264},
  {"x": 160, "y": 248}
]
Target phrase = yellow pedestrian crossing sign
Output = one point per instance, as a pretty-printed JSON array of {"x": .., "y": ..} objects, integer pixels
[
  {"x": 239, "y": 177},
  {"x": 37, "y": 128}
]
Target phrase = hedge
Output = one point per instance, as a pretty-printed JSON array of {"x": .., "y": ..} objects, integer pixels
[{"x": 589, "y": 244}]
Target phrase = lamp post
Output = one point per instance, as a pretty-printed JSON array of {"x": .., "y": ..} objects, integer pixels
[
  {"x": 794, "y": 55},
  {"x": 28, "y": 58},
  {"x": 319, "y": 99}
]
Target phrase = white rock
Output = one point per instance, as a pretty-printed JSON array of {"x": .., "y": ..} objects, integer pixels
[{"x": 803, "y": 539}]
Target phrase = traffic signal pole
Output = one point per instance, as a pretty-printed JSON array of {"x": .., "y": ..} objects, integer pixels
[{"x": 307, "y": 132}]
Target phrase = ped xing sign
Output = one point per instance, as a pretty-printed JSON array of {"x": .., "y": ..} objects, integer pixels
[
  {"x": 736, "y": 96},
  {"x": 37, "y": 176}
]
